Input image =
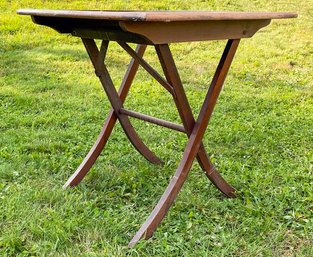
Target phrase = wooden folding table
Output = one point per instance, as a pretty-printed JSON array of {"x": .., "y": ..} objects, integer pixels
[{"x": 157, "y": 28}]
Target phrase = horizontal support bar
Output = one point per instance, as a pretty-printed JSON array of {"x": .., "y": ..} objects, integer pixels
[{"x": 153, "y": 120}]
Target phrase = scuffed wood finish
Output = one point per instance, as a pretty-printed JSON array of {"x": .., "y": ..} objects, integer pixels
[
  {"x": 155, "y": 27},
  {"x": 175, "y": 32},
  {"x": 162, "y": 16}
]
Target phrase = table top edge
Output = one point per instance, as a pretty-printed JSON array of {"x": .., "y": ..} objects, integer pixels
[{"x": 157, "y": 16}]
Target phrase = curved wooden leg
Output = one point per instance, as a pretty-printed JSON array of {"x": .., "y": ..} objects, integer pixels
[
  {"x": 168, "y": 197},
  {"x": 184, "y": 109},
  {"x": 213, "y": 175},
  {"x": 136, "y": 141},
  {"x": 97, "y": 58},
  {"x": 192, "y": 147},
  {"x": 94, "y": 152},
  {"x": 105, "y": 133}
]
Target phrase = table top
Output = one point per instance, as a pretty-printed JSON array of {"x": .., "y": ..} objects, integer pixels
[
  {"x": 158, "y": 16},
  {"x": 155, "y": 27}
]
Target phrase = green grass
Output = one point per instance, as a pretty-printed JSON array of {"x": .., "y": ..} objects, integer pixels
[{"x": 260, "y": 138}]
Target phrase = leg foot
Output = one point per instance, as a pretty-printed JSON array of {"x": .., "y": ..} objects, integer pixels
[{"x": 93, "y": 154}]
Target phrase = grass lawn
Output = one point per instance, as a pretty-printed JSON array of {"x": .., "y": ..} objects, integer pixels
[{"x": 260, "y": 138}]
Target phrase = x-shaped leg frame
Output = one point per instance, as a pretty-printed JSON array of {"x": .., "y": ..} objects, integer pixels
[{"x": 194, "y": 129}]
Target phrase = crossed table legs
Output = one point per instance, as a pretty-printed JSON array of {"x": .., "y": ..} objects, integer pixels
[{"x": 194, "y": 129}]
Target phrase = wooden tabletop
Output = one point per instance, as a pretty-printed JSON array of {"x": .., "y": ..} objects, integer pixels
[
  {"x": 155, "y": 27},
  {"x": 161, "y": 16}
]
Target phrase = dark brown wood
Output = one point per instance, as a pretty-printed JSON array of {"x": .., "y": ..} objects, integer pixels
[
  {"x": 184, "y": 109},
  {"x": 153, "y": 120},
  {"x": 91, "y": 28},
  {"x": 192, "y": 147},
  {"x": 174, "y": 32},
  {"x": 106, "y": 131},
  {"x": 147, "y": 67},
  {"x": 107, "y": 84},
  {"x": 158, "y": 27},
  {"x": 155, "y": 16},
  {"x": 110, "y": 35}
]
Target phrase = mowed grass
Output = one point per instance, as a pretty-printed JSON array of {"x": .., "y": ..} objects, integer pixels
[{"x": 260, "y": 138}]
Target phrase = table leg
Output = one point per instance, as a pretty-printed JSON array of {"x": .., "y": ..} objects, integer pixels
[
  {"x": 184, "y": 109},
  {"x": 192, "y": 147},
  {"x": 108, "y": 86},
  {"x": 105, "y": 133}
]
